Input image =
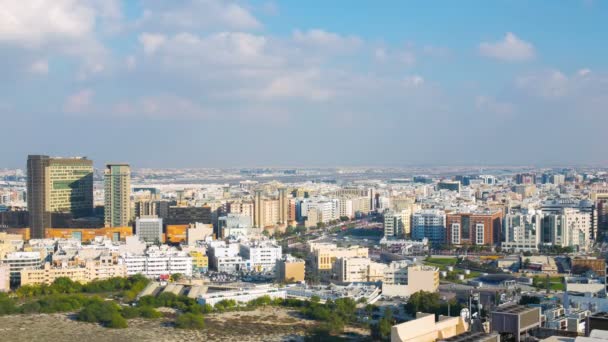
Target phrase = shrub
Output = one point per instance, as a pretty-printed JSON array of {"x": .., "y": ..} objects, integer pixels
[{"x": 190, "y": 321}]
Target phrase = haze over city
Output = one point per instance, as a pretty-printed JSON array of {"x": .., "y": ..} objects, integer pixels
[{"x": 209, "y": 83}]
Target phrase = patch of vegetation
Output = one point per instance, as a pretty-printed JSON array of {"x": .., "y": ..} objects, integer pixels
[
  {"x": 442, "y": 261},
  {"x": 190, "y": 321}
]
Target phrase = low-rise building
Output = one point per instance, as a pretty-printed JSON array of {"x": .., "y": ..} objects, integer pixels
[
  {"x": 103, "y": 268},
  {"x": 290, "y": 269},
  {"x": 404, "y": 280},
  {"x": 156, "y": 263},
  {"x": 242, "y": 295},
  {"x": 262, "y": 255},
  {"x": 425, "y": 329},
  {"x": 18, "y": 261}
]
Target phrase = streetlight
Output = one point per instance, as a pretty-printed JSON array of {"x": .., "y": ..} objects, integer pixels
[{"x": 446, "y": 299}]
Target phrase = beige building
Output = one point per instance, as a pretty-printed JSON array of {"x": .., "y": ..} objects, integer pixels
[
  {"x": 9, "y": 243},
  {"x": 270, "y": 212},
  {"x": 357, "y": 269},
  {"x": 117, "y": 195},
  {"x": 404, "y": 281},
  {"x": 290, "y": 269},
  {"x": 325, "y": 254},
  {"x": 425, "y": 329},
  {"x": 103, "y": 268},
  {"x": 5, "y": 278}
]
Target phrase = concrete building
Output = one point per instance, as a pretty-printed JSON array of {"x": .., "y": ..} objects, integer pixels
[
  {"x": 18, "y": 261},
  {"x": 515, "y": 319},
  {"x": 187, "y": 215},
  {"x": 430, "y": 224},
  {"x": 357, "y": 269},
  {"x": 149, "y": 229},
  {"x": 262, "y": 255},
  {"x": 522, "y": 231},
  {"x": 396, "y": 224},
  {"x": 234, "y": 225},
  {"x": 403, "y": 280},
  {"x": 482, "y": 227},
  {"x": 425, "y": 329},
  {"x": 325, "y": 254},
  {"x": 290, "y": 269},
  {"x": 568, "y": 228},
  {"x": 117, "y": 195},
  {"x": 156, "y": 263},
  {"x": 243, "y": 295},
  {"x": 57, "y": 185},
  {"x": 103, "y": 268}
]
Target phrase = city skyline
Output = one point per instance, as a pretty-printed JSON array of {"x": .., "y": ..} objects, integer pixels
[{"x": 276, "y": 83}]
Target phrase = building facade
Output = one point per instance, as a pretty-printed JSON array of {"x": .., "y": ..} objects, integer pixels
[
  {"x": 57, "y": 185},
  {"x": 117, "y": 195}
]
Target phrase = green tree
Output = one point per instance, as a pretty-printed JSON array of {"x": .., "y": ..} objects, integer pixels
[{"x": 423, "y": 301}]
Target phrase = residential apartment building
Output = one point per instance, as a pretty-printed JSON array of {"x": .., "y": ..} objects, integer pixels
[
  {"x": 262, "y": 255},
  {"x": 401, "y": 279},
  {"x": 103, "y": 268},
  {"x": 156, "y": 263},
  {"x": 522, "y": 231},
  {"x": 325, "y": 254},
  {"x": 17, "y": 261},
  {"x": 357, "y": 269},
  {"x": 482, "y": 227},
  {"x": 430, "y": 224}
]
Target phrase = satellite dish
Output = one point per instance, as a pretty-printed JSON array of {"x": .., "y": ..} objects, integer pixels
[{"x": 464, "y": 313}]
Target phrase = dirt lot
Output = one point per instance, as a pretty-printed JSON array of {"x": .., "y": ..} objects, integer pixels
[{"x": 268, "y": 324}]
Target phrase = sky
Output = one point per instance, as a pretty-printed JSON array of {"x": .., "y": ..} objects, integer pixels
[{"x": 212, "y": 83}]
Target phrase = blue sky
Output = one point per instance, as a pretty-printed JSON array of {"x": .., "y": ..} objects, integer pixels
[{"x": 213, "y": 83}]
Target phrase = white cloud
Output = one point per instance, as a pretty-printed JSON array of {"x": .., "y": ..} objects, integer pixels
[
  {"x": 79, "y": 101},
  {"x": 200, "y": 14},
  {"x": 151, "y": 41},
  {"x": 40, "y": 67},
  {"x": 548, "y": 84},
  {"x": 297, "y": 85},
  {"x": 327, "y": 40},
  {"x": 510, "y": 49},
  {"x": 414, "y": 80},
  {"x": 32, "y": 23},
  {"x": 584, "y": 72}
]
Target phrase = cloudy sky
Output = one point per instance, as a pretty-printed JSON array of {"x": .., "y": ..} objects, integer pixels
[{"x": 212, "y": 83}]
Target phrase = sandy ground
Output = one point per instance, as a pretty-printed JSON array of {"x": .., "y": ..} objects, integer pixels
[{"x": 267, "y": 324}]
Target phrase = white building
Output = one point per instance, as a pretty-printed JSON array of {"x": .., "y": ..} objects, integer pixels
[
  {"x": 262, "y": 255},
  {"x": 570, "y": 228},
  {"x": 149, "y": 229},
  {"x": 522, "y": 231},
  {"x": 242, "y": 295},
  {"x": 17, "y": 261},
  {"x": 156, "y": 263}
]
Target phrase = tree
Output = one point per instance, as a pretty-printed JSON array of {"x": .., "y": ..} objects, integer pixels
[
  {"x": 423, "y": 301},
  {"x": 382, "y": 330},
  {"x": 176, "y": 277}
]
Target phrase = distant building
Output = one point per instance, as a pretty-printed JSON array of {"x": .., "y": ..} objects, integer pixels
[
  {"x": 149, "y": 229},
  {"x": 395, "y": 223},
  {"x": 117, "y": 192},
  {"x": 404, "y": 280},
  {"x": 103, "y": 268},
  {"x": 187, "y": 215},
  {"x": 57, "y": 185},
  {"x": 476, "y": 228},
  {"x": 88, "y": 234},
  {"x": 522, "y": 231},
  {"x": 430, "y": 224},
  {"x": 449, "y": 185},
  {"x": 18, "y": 261},
  {"x": 262, "y": 255},
  {"x": 156, "y": 263}
]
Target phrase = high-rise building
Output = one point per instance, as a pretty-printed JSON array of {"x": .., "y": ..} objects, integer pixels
[
  {"x": 57, "y": 185},
  {"x": 117, "y": 186},
  {"x": 430, "y": 224}
]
